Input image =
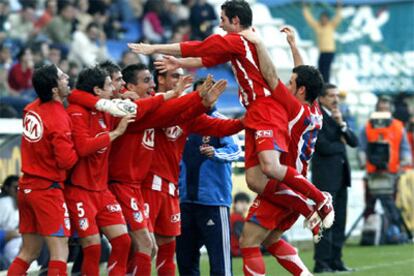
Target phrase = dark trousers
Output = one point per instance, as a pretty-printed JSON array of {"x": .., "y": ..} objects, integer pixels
[
  {"x": 324, "y": 65},
  {"x": 328, "y": 252},
  {"x": 204, "y": 225}
]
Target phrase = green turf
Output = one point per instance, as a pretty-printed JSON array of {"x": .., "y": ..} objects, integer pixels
[{"x": 374, "y": 260}]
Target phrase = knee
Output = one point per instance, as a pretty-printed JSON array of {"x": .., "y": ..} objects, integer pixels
[
  {"x": 143, "y": 241},
  {"x": 29, "y": 254},
  {"x": 252, "y": 184},
  {"x": 246, "y": 240}
]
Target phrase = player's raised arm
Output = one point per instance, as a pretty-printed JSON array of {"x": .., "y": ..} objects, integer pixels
[
  {"x": 149, "y": 49},
  {"x": 170, "y": 63},
  {"x": 290, "y": 37},
  {"x": 267, "y": 68}
]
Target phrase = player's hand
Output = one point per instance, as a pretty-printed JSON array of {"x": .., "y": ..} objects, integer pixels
[
  {"x": 116, "y": 107},
  {"x": 290, "y": 34},
  {"x": 183, "y": 83},
  {"x": 207, "y": 150},
  {"x": 123, "y": 124},
  {"x": 206, "y": 86},
  {"x": 141, "y": 48},
  {"x": 167, "y": 63},
  {"x": 129, "y": 95},
  {"x": 337, "y": 116},
  {"x": 214, "y": 93},
  {"x": 251, "y": 35}
]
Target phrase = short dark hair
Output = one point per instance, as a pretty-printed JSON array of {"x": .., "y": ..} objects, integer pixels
[
  {"x": 156, "y": 74},
  {"x": 44, "y": 79},
  {"x": 7, "y": 184},
  {"x": 129, "y": 73},
  {"x": 241, "y": 196},
  {"x": 309, "y": 77},
  {"x": 241, "y": 9},
  {"x": 325, "y": 89},
  {"x": 110, "y": 67},
  {"x": 91, "y": 77}
]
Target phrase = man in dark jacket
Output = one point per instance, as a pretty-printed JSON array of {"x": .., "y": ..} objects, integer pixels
[{"x": 331, "y": 172}]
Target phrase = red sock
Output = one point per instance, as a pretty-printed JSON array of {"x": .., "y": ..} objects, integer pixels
[
  {"x": 18, "y": 267},
  {"x": 253, "y": 263},
  {"x": 142, "y": 264},
  {"x": 299, "y": 183},
  {"x": 58, "y": 268},
  {"x": 165, "y": 259},
  {"x": 287, "y": 256},
  {"x": 117, "y": 263},
  {"x": 279, "y": 194},
  {"x": 90, "y": 262}
]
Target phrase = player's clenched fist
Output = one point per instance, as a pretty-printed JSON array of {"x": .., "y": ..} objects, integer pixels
[{"x": 117, "y": 107}]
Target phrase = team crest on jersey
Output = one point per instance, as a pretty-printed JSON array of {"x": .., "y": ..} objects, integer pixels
[
  {"x": 83, "y": 224},
  {"x": 206, "y": 139},
  {"x": 102, "y": 123},
  {"x": 176, "y": 218},
  {"x": 67, "y": 223},
  {"x": 138, "y": 216},
  {"x": 148, "y": 138},
  {"x": 113, "y": 208},
  {"x": 264, "y": 134},
  {"x": 173, "y": 133},
  {"x": 32, "y": 127}
]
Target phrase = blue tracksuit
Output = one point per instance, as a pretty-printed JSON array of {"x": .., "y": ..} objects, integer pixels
[{"x": 205, "y": 194}]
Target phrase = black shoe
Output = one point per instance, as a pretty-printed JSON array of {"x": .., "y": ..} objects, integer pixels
[
  {"x": 341, "y": 267},
  {"x": 322, "y": 268}
]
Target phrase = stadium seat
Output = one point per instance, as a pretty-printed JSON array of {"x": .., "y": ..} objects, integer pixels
[
  {"x": 133, "y": 30},
  {"x": 115, "y": 48}
]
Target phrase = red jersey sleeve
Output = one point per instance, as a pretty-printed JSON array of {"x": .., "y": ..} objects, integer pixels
[
  {"x": 169, "y": 113},
  {"x": 83, "y": 99},
  {"x": 215, "y": 45},
  {"x": 148, "y": 105},
  {"x": 283, "y": 95},
  {"x": 61, "y": 140},
  {"x": 207, "y": 125},
  {"x": 85, "y": 144}
]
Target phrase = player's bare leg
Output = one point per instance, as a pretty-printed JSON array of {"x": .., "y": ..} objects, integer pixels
[
  {"x": 250, "y": 240},
  {"x": 165, "y": 258},
  {"x": 32, "y": 245},
  {"x": 120, "y": 242},
  {"x": 285, "y": 254},
  {"x": 144, "y": 247}
]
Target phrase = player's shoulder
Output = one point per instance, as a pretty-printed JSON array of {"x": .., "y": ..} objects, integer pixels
[{"x": 76, "y": 109}]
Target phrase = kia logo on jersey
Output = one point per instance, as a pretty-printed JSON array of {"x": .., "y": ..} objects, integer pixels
[
  {"x": 263, "y": 134},
  {"x": 148, "y": 138},
  {"x": 112, "y": 208},
  {"x": 32, "y": 127},
  {"x": 173, "y": 133},
  {"x": 176, "y": 218}
]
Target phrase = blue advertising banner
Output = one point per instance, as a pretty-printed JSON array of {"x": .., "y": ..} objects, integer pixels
[{"x": 375, "y": 43}]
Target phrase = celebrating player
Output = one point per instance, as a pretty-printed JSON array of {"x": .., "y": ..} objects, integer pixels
[{"x": 47, "y": 153}]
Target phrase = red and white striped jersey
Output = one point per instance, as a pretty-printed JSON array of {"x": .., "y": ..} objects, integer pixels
[
  {"x": 217, "y": 49},
  {"x": 305, "y": 121}
]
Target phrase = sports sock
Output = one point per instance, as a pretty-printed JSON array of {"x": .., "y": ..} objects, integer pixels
[
  {"x": 90, "y": 262},
  {"x": 287, "y": 256},
  {"x": 57, "y": 268},
  {"x": 278, "y": 194},
  {"x": 117, "y": 263},
  {"x": 141, "y": 264},
  {"x": 165, "y": 259},
  {"x": 253, "y": 263},
  {"x": 18, "y": 267},
  {"x": 299, "y": 183}
]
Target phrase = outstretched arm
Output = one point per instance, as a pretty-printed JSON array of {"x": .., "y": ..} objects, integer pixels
[
  {"x": 308, "y": 16},
  {"x": 170, "y": 63},
  {"x": 173, "y": 49},
  {"x": 338, "y": 14}
]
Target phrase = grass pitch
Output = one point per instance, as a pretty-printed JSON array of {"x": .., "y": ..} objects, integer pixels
[{"x": 387, "y": 260}]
